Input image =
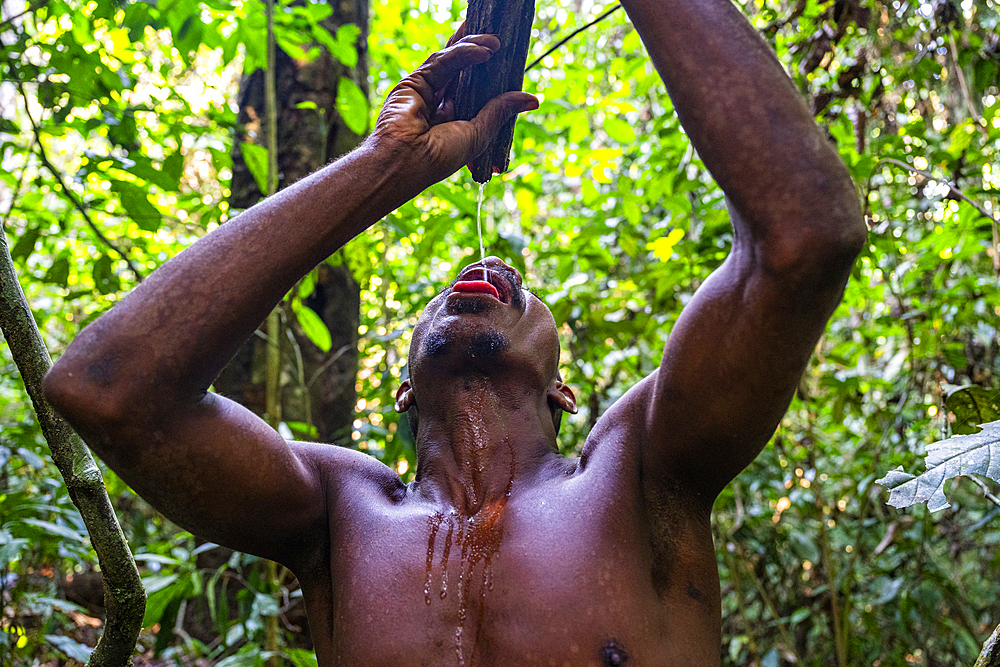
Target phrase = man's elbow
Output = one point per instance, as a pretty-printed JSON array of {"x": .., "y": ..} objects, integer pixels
[
  {"x": 821, "y": 245},
  {"x": 82, "y": 402}
]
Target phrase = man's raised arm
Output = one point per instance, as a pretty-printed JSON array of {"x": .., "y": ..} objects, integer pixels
[
  {"x": 134, "y": 383},
  {"x": 737, "y": 352}
]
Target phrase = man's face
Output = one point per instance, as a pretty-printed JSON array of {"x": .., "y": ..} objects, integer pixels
[{"x": 485, "y": 322}]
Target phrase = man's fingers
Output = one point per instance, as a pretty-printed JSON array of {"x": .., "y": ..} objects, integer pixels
[
  {"x": 442, "y": 66},
  {"x": 497, "y": 112},
  {"x": 459, "y": 34}
]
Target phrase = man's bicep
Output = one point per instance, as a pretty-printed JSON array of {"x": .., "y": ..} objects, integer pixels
[
  {"x": 730, "y": 369},
  {"x": 219, "y": 471}
]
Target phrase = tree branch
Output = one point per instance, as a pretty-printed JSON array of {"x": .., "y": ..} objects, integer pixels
[
  {"x": 38, "y": 5},
  {"x": 124, "y": 597},
  {"x": 990, "y": 657},
  {"x": 573, "y": 34},
  {"x": 77, "y": 203},
  {"x": 954, "y": 191}
]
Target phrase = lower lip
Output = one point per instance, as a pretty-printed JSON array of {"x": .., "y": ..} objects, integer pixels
[{"x": 476, "y": 287}]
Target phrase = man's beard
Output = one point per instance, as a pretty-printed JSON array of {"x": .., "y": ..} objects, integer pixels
[{"x": 486, "y": 345}]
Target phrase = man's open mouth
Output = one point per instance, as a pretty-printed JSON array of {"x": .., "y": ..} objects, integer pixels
[{"x": 479, "y": 280}]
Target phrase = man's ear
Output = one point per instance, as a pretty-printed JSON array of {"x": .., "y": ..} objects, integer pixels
[
  {"x": 404, "y": 397},
  {"x": 562, "y": 396}
]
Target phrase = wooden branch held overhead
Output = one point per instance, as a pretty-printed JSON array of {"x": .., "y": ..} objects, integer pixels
[{"x": 510, "y": 21}]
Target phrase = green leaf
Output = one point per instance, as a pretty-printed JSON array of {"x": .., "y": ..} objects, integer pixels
[
  {"x": 619, "y": 130},
  {"x": 137, "y": 205},
  {"x": 352, "y": 105},
  {"x": 58, "y": 273},
  {"x": 173, "y": 167},
  {"x": 70, "y": 647},
  {"x": 105, "y": 279},
  {"x": 978, "y": 453},
  {"x": 56, "y": 529},
  {"x": 314, "y": 328},
  {"x": 25, "y": 245},
  {"x": 10, "y": 547},
  {"x": 971, "y": 405},
  {"x": 255, "y": 158}
]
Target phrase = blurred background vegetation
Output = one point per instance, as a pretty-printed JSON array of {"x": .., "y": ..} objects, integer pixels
[{"x": 128, "y": 129}]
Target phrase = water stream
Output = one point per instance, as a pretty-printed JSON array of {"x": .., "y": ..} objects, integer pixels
[{"x": 479, "y": 226}]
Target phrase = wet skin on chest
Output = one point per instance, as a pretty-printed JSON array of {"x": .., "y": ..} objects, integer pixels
[{"x": 557, "y": 574}]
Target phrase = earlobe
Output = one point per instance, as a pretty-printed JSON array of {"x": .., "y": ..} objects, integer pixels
[
  {"x": 563, "y": 396},
  {"x": 404, "y": 397}
]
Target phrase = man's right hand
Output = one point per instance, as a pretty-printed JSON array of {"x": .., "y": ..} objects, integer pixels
[{"x": 417, "y": 121}]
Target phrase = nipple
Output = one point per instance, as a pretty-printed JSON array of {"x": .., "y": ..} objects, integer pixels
[{"x": 613, "y": 654}]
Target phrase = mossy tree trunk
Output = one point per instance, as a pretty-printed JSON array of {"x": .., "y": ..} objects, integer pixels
[{"x": 124, "y": 596}]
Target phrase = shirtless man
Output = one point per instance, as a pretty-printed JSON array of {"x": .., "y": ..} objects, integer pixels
[{"x": 501, "y": 552}]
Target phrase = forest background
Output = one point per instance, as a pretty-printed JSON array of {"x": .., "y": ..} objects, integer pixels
[{"x": 130, "y": 129}]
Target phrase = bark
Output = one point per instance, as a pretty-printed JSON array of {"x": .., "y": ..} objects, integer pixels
[
  {"x": 990, "y": 657},
  {"x": 510, "y": 20},
  {"x": 124, "y": 596},
  {"x": 323, "y": 393}
]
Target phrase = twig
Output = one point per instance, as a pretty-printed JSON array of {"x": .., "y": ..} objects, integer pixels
[
  {"x": 36, "y": 6},
  {"x": 954, "y": 191},
  {"x": 13, "y": 199},
  {"x": 986, "y": 490},
  {"x": 573, "y": 34},
  {"x": 69, "y": 193},
  {"x": 965, "y": 88},
  {"x": 952, "y": 188},
  {"x": 779, "y": 622}
]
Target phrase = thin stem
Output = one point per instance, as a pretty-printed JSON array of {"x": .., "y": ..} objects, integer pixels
[
  {"x": 960, "y": 75},
  {"x": 573, "y": 34},
  {"x": 273, "y": 388},
  {"x": 38, "y": 5},
  {"x": 953, "y": 189},
  {"x": 986, "y": 490},
  {"x": 786, "y": 636},
  {"x": 13, "y": 199}
]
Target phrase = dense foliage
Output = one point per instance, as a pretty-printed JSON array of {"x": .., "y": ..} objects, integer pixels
[{"x": 115, "y": 135}]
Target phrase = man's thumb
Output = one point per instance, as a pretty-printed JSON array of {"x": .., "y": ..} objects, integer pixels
[{"x": 498, "y": 111}]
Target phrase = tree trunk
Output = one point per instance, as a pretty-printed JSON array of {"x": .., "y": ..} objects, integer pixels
[
  {"x": 124, "y": 596},
  {"x": 307, "y": 139},
  {"x": 990, "y": 657},
  {"x": 510, "y": 20}
]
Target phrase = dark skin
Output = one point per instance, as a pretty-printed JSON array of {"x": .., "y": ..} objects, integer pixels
[{"x": 501, "y": 552}]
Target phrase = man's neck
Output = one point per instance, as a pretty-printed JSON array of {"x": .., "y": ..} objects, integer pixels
[{"x": 479, "y": 443}]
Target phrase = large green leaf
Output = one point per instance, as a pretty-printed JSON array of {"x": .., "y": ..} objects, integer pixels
[
  {"x": 137, "y": 205},
  {"x": 352, "y": 105},
  {"x": 978, "y": 454},
  {"x": 255, "y": 158},
  {"x": 314, "y": 328}
]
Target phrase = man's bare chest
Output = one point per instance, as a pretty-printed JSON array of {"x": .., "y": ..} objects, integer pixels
[{"x": 540, "y": 578}]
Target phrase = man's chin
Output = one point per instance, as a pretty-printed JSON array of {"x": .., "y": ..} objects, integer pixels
[{"x": 488, "y": 344}]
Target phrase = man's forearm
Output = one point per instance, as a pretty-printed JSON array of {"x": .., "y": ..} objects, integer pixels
[
  {"x": 171, "y": 336},
  {"x": 161, "y": 347},
  {"x": 742, "y": 112}
]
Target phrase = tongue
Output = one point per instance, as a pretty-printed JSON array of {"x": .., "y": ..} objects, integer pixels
[{"x": 480, "y": 286}]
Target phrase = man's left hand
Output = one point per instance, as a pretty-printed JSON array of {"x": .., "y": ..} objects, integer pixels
[{"x": 417, "y": 121}]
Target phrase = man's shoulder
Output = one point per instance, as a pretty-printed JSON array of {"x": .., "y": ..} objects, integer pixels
[
  {"x": 618, "y": 434},
  {"x": 343, "y": 469}
]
